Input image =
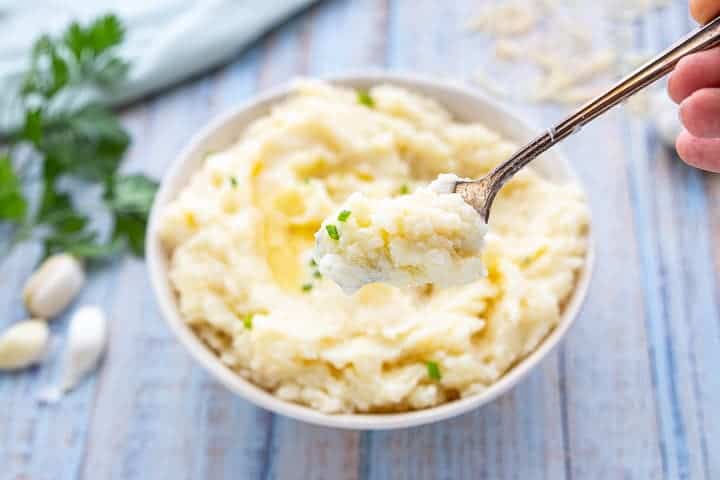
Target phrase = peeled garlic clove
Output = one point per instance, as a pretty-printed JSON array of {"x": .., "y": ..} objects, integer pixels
[
  {"x": 53, "y": 286},
  {"x": 87, "y": 338},
  {"x": 23, "y": 344}
]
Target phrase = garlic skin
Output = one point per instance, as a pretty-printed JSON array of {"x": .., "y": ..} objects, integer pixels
[
  {"x": 53, "y": 286},
  {"x": 24, "y": 344},
  {"x": 86, "y": 342}
]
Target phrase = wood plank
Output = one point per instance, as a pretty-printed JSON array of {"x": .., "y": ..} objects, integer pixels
[
  {"x": 699, "y": 243},
  {"x": 630, "y": 394},
  {"x": 611, "y": 422},
  {"x": 51, "y": 440},
  {"x": 612, "y": 429},
  {"x": 709, "y": 390},
  {"x": 154, "y": 422},
  {"x": 679, "y": 285}
]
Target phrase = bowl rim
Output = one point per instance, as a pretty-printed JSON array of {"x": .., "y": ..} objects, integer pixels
[{"x": 165, "y": 297}]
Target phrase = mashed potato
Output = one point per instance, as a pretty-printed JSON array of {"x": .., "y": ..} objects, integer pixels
[
  {"x": 428, "y": 236},
  {"x": 240, "y": 236}
]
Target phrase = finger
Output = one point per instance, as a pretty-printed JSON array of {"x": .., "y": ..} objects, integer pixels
[
  {"x": 700, "y": 113},
  {"x": 700, "y": 70},
  {"x": 703, "y": 153},
  {"x": 704, "y": 10}
]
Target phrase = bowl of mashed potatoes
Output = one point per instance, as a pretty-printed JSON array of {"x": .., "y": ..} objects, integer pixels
[{"x": 239, "y": 216}]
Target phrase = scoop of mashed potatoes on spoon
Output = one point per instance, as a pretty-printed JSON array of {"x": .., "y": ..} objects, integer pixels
[{"x": 430, "y": 236}]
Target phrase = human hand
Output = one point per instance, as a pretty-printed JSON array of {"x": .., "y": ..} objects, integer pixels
[{"x": 695, "y": 85}]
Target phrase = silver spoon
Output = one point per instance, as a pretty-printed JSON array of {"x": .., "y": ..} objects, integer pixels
[{"x": 481, "y": 193}]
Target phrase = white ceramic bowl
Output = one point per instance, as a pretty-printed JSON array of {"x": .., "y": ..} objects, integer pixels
[{"x": 466, "y": 105}]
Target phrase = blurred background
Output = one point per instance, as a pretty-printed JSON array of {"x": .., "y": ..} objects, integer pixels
[{"x": 630, "y": 394}]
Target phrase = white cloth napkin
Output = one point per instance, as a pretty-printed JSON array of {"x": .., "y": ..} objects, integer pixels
[{"x": 166, "y": 40}]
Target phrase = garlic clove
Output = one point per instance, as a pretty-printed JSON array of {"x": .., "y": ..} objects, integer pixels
[
  {"x": 53, "y": 286},
  {"x": 87, "y": 339},
  {"x": 24, "y": 344}
]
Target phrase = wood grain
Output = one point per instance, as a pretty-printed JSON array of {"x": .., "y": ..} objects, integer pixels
[{"x": 630, "y": 394}]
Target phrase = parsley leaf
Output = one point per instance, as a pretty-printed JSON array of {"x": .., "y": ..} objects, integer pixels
[
  {"x": 13, "y": 205},
  {"x": 332, "y": 232},
  {"x": 81, "y": 244},
  {"x": 91, "y": 49},
  {"x": 131, "y": 194},
  {"x": 58, "y": 212},
  {"x": 364, "y": 98},
  {"x": 131, "y": 230},
  {"x": 88, "y": 143},
  {"x": 32, "y": 127},
  {"x": 433, "y": 370},
  {"x": 49, "y": 72},
  {"x": 130, "y": 198},
  {"x": 344, "y": 215},
  {"x": 103, "y": 33}
]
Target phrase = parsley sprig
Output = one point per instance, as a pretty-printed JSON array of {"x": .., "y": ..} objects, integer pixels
[
  {"x": 433, "y": 370},
  {"x": 332, "y": 231},
  {"x": 364, "y": 98},
  {"x": 344, "y": 215},
  {"x": 84, "y": 144}
]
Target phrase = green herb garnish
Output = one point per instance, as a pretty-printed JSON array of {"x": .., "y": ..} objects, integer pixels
[
  {"x": 75, "y": 140},
  {"x": 233, "y": 182},
  {"x": 130, "y": 198},
  {"x": 404, "y": 190},
  {"x": 12, "y": 202},
  {"x": 317, "y": 274},
  {"x": 307, "y": 287},
  {"x": 313, "y": 263},
  {"x": 433, "y": 370},
  {"x": 248, "y": 321},
  {"x": 332, "y": 232},
  {"x": 344, "y": 215},
  {"x": 364, "y": 98}
]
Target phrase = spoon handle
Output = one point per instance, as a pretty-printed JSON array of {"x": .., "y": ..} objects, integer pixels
[{"x": 703, "y": 38}]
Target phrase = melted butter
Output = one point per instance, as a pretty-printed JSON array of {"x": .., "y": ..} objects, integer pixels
[
  {"x": 281, "y": 244},
  {"x": 282, "y": 247}
]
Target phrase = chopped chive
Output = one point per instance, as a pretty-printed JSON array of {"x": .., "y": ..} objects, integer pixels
[
  {"x": 307, "y": 287},
  {"x": 248, "y": 321},
  {"x": 364, "y": 98},
  {"x": 317, "y": 274},
  {"x": 233, "y": 182},
  {"x": 313, "y": 263},
  {"x": 306, "y": 179},
  {"x": 344, "y": 215},
  {"x": 404, "y": 190},
  {"x": 433, "y": 370},
  {"x": 332, "y": 232}
]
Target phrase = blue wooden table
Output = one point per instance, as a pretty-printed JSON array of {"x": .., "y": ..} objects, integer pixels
[{"x": 633, "y": 392}]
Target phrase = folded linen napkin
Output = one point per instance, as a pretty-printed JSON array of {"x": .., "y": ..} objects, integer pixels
[{"x": 166, "y": 40}]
